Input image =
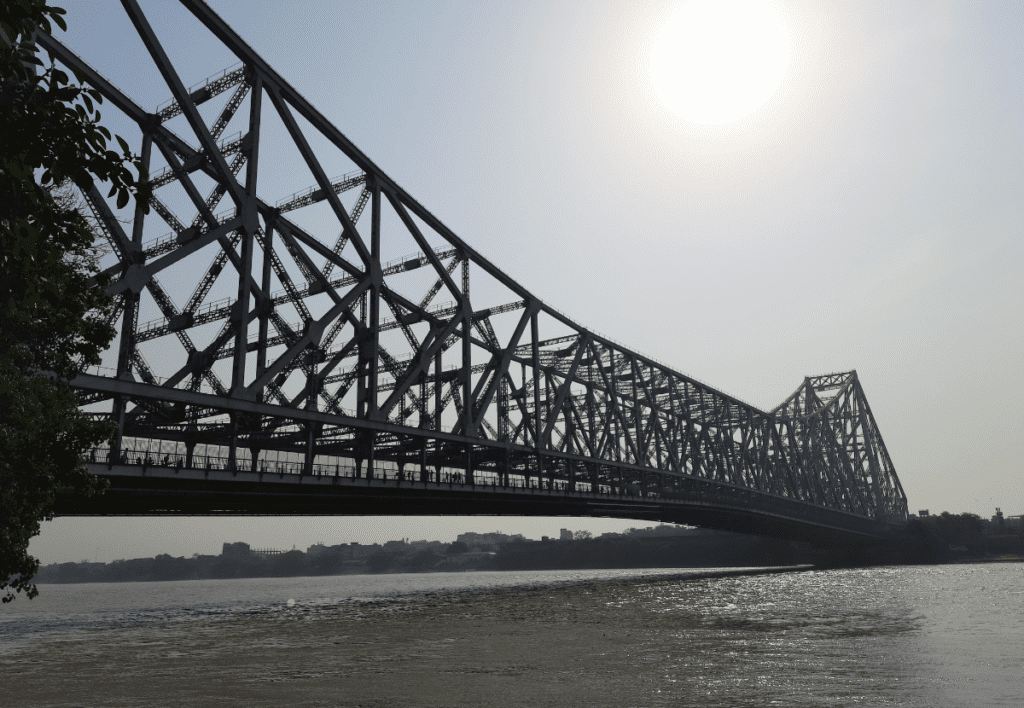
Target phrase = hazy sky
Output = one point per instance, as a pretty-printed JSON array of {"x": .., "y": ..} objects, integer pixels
[{"x": 869, "y": 217}]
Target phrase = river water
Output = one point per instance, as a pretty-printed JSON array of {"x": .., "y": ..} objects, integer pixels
[{"x": 950, "y": 635}]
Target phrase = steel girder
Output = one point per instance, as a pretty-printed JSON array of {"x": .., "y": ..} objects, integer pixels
[{"x": 310, "y": 345}]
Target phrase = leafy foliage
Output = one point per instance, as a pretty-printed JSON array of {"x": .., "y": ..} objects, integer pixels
[
  {"x": 457, "y": 548},
  {"x": 53, "y": 311},
  {"x": 945, "y": 531},
  {"x": 379, "y": 562}
]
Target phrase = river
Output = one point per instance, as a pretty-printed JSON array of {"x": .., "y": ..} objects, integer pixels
[{"x": 950, "y": 635}]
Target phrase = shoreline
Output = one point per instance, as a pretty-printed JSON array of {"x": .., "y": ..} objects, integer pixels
[{"x": 739, "y": 570}]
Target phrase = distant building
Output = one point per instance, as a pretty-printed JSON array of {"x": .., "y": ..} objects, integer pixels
[
  {"x": 487, "y": 541},
  {"x": 317, "y": 549},
  {"x": 659, "y": 530},
  {"x": 425, "y": 545},
  {"x": 267, "y": 551},
  {"x": 239, "y": 549},
  {"x": 565, "y": 535}
]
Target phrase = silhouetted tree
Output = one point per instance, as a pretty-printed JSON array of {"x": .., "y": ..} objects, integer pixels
[
  {"x": 424, "y": 560},
  {"x": 52, "y": 310},
  {"x": 291, "y": 563},
  {"x": 379, "y": 562},
  {"x": 945, "y": 530}
]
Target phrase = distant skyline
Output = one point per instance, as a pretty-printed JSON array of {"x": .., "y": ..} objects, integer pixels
[{"x": 868, "y": 217}]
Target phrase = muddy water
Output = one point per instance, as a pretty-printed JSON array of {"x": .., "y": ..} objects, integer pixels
[{"x": 922, "y": 636}]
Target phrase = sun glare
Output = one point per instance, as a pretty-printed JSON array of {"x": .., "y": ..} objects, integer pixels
[{"x": 717, "y": 61}]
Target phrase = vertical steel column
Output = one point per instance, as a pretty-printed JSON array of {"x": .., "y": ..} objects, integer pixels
[
  {"x": 233, "y": 442},
  {"x": 535, "y": 349},
  {"x": 130, "y": 310},
  {"x": 503, "y": 422},
  {"x": 310, "y": 449},
  {"x": 638, "y": 438},
  {"x": 591, "y": 417},
  {"x": 267, "y": 304},
  {"x": 437, "y": 413},
  {"x": 374, "y": 324},
  {"x": 467, "y": 356},
  {"x": 424, "y": 472},
  {"x": 250, "y": 223},
  {"x": 570, "y": 433},
  {"x": 549, "y": 415},
  {"x": 424, "y": 424}
]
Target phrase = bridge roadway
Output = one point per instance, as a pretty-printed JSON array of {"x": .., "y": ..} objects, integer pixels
[{"x": 167, "y": 488}]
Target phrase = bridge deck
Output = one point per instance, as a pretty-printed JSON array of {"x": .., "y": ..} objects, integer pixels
[{"x": 139, "y": 490}]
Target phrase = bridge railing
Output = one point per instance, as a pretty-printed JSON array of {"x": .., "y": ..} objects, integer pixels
[{"x": 699, "y": 492}]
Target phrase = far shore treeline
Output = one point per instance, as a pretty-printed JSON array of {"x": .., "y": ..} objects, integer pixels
[{"x": 927, "y": 539}]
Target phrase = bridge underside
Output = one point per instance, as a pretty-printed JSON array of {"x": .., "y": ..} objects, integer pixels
[{"x": 137, "y": 490}]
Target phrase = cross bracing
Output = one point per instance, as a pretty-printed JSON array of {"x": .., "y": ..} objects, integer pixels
[{"x": 335, "y": 328}]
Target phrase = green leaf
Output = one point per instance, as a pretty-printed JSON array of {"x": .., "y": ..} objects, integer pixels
[
  {"x": 122, "y": 198},
  {"x": 124, "y": 145}
]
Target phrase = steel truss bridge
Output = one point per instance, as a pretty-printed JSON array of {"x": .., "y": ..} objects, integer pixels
[{"x": 283, "y": 357}]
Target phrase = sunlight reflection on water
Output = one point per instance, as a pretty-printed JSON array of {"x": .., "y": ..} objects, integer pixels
[{"x": 907, "y": 636}]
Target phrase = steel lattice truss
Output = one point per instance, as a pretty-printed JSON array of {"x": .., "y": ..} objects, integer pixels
[{"x": 251, "y": 333}]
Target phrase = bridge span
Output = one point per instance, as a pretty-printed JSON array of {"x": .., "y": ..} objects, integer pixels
[
  {"x": 283, "y": 356},
  {"x": 158, "y": 487}
]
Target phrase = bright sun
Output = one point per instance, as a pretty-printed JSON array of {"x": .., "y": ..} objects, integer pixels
[{"x": 717, "y": 61}]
